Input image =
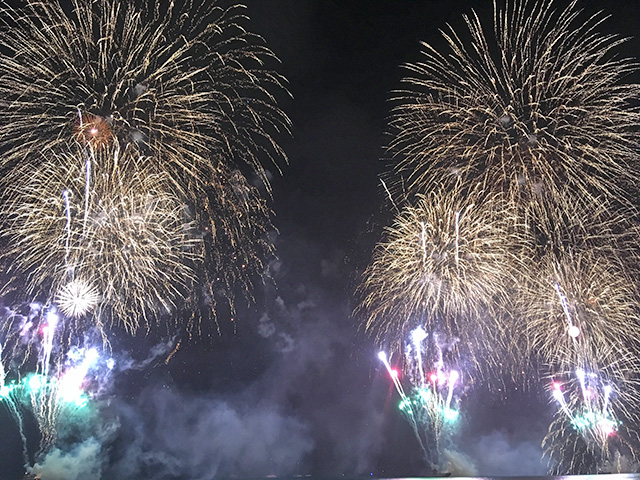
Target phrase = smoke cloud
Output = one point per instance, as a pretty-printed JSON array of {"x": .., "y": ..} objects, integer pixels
[
  {"x": 83, "y": 461},
  {"x": 458, "y": 464},
  {"x": 500, "y": 454},
  {"x": 181, "y": 436},
  {"x": 289, "y": 397}
]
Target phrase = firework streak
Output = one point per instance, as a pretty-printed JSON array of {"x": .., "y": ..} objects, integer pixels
[
  {"x": 432, "y": 406},
  {"x": 514, "y": 177},
  {"x": 125, "y": 131}
]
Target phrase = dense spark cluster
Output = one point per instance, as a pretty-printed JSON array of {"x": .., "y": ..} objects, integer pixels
[
  {"x": 55, "y": 396},
  {"x": 118, "y": 228},
  {"x": 537, "y": 119},
  {"x": 185, "y": 85},
  {"x": 77, "y": 298},
  {"x": 595, "y": 425},
  {"x": 433, "y": 405},
  {"x": 580, "y": 308},
  {"x": 535, "y": 111},
  {"x": 444, "y": 264},
  {"x": 152, "y": 123}
]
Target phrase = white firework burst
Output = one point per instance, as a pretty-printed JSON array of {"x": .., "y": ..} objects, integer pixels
[{"x": 77, "y": 298}]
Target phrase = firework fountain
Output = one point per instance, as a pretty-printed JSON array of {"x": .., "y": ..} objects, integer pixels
[
  {"x": 592, "y": 379},
  {"x": 432, "y": 406}
]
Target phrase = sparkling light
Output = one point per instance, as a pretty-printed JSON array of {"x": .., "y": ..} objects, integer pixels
[
  {"x": 450, "y": 415},
  {"x": 77, "y": 298},
  {"x": 573, "y": 331},
  {"x": 36, "y": 382},
  {"x": 418, "y": 335}
]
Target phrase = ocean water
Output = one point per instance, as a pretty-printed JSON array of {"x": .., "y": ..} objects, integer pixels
[{"x": 601, "y": 476}]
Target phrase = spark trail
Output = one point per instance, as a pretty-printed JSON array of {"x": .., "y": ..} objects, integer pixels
[
  {"x": 449, "y": 261},
  {"x": 514, "y": 167},
  {"x": 595, "y": 424},
  {"x": 194, "y": 98},
  {"x": 592, "y": 418},
  {"x": 432, "y": 406}
]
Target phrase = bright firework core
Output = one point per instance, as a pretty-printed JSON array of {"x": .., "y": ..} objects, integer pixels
[
  {"x": 92, "y": 130},
  {"x": 432, "y": 404},
  {"x": 77, "y": 298}
]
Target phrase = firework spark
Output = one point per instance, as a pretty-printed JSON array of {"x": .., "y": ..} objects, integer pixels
[
  {"x": 238, "y": 235},
  {"x": 433, "y": 405},
  {"x": 588, "y": 432},
  {"x": 55, "y": 396},
  {"x": 119, "y": 230},
  {"x": 77, "y": 298},
  {"x": 580, "y": 308},
  {"x": 187, "y": 85},
  {"x": 537, "y": 109},
  {"x": 444, "y": 264}
]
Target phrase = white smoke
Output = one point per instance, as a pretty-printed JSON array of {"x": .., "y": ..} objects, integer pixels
[
  {"x": 458, "y": 464},
  {"x": 82, "y": 462},
  {"x": 500, "y": 454}
]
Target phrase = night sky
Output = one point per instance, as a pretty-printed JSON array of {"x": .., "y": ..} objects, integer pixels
[{"x": 293, "y": 387}]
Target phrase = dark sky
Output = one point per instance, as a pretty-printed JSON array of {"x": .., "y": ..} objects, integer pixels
[{"x": 296, "y": 389}]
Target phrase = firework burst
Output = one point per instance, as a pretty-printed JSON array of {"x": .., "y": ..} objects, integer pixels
[
  {"x": 77, "y": 298},
  {"x": 133, "y": 136},
  {"x": 110, "y": 222},
  {"x": 60, "y": 395},
  {"x": 536, "y": 109},
  {"x": 581, "y": 310},
  {"x": 185, "y": 86},
  {"x": 445, "y": 264}
]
